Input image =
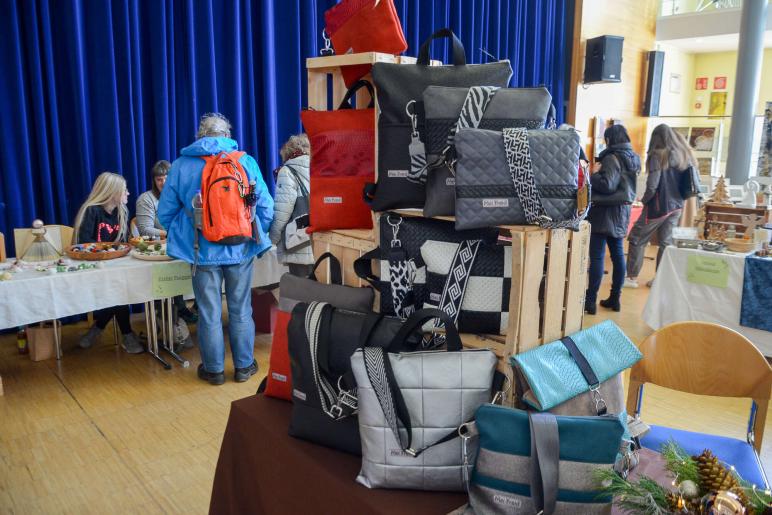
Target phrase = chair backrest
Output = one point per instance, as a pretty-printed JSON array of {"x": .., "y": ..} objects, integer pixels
[
  {"x": 2, "y": 248},
  {"x": 133, "y": 229},
  {"x": 704, "y": 359}
]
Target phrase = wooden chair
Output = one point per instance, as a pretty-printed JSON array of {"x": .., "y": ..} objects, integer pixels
[
  {"x": 2, "y": 248},
  {"x": 706, "y": 359}
]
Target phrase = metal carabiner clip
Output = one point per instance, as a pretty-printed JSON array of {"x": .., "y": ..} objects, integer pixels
[{"x": 413, "y": 118}]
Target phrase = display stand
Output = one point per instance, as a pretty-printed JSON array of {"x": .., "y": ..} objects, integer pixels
[
  {"x": 727, "y": 215},
  {"x": 549, "y": 266}
]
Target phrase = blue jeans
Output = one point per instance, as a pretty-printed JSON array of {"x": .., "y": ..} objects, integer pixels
[
  {"x": 597, "y": 261},
  {"x": 207, "y": 285}
]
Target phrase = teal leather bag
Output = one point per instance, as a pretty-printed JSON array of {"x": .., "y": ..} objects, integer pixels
[
  {"x": 539, "y": 463},
  {"x": 580, "y": 375}
]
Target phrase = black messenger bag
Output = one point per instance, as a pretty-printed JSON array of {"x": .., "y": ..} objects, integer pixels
[{"x": 401, "y": 140}]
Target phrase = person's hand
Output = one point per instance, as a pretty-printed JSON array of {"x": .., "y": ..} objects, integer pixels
[
  {"x": 595, "y": 167},
  {"x": 163, "y": 234}
]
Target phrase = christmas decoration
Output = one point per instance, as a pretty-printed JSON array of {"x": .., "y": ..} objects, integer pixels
[
  {"x": 720, "y": 194},
  {"x": 701, "y": 485}
]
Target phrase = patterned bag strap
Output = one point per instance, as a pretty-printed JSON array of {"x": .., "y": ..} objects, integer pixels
[
  {"x": 521, "y": 171},
  {"x": 317, "y": 314},
  {"x": 472, "y": 112},
  {"x": 455, "y": 287},
  {"x": 389, "y": 395}
]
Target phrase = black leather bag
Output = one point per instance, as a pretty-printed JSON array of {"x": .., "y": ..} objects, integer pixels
[
  {"x": 624, "y": 194},
  {"x": 398, "y": 85},
  {"x": 323, "y": 402},
  {"x": 689, "y": 183}
]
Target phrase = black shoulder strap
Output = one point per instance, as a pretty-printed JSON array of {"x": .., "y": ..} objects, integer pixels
[
  {"x": 363, "y": 266},
  {"x": 298, "y": 180}
]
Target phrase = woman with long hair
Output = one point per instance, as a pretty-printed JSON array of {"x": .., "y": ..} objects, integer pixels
[
  {"x": 104, "y": 217},
  {"x": 669, "y": 154},
  {"x": 147, "y": 203},
  {"x": 613, "y": 190}
]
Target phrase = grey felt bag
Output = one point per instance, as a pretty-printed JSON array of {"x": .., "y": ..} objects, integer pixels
[
  {"x": 410, "y": 407},
  {"x": 397, "y": 86},
  {"x": 517, "y": 177},
  {"x": 448, "y": 109}
]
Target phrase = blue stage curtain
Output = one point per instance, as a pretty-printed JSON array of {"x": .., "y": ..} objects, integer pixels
[{"x": 96, "y": 85}]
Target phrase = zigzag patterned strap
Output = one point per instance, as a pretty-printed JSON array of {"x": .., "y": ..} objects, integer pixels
[
  {"x": 327, "y": 393},
  {"x": 455, "y": 286},
  {"x": 375, "y": 366},
  {"x": 521, "y": 170},
  {"x": 475, "y": 104}
]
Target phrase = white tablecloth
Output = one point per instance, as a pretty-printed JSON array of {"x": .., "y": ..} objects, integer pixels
[
  {"x": 674, "y": 299},
  {"x": 36, "y": 296}
]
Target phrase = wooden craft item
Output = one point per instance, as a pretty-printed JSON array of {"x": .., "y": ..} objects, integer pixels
[{"x": 750, "y": 222}]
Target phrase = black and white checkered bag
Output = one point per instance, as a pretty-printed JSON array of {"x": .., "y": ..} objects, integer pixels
[{"x": 415, "y": 257}]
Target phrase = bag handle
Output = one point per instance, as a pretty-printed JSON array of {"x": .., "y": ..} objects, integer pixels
[
  {"x": 545, "y": 461},
  {"x": 459, "y": 54},
  {"x": 298, "y": 180},
  {"x": 419, "y": 318},
  {"x": 363, "y": 266},
  {"x": 346, "y": 103},
  {"x": 587, "y": 372},
  {"x": 336, "y": 276}
]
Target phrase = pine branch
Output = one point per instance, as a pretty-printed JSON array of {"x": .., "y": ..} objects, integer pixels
[
  {"x": 645, "y": 497},
  {"x": 680, "y": 463}
]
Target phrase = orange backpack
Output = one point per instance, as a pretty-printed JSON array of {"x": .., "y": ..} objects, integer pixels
[{"x": 224, "y": 187}]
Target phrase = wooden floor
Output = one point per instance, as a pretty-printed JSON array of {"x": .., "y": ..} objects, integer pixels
[{"x": 105, "y": 432}]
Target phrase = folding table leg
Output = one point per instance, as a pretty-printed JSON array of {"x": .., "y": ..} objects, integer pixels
[
  {"x": 169, "y": 326},
  {"x": 57, "y": 339},
  {"x": 153, "y": 336}
]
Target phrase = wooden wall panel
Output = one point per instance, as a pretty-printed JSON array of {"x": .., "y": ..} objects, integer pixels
[{"x": 635, "y": 20}]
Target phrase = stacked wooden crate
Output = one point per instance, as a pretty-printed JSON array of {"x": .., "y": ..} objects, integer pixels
[{"x": 549, "y": 266}]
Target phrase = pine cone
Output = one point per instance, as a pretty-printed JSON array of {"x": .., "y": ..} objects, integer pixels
[{"x": 714, "y": 477}]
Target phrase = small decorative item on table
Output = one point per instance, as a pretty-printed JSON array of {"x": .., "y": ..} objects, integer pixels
[
  {"x": 149, "y": 240},
  {"x": 700, "y": 485},
  {"x": 150, "y": 252},
  {"x": 740, "y": 245},
  {"x": 98, "y": 251}
]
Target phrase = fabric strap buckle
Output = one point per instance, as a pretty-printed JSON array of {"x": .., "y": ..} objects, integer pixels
[{"x": 600, "y": 404}]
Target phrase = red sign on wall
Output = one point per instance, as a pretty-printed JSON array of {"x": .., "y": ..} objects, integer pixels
[
  {"x": 701, "y": 83},
  {"x": 719, "y": 82}
]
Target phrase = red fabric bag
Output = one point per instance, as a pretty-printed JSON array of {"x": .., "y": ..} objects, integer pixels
[
  {"x": 364, "y": 26},
  {"x": 342, "y": 161},
  {"x": 279, "y": 380}
]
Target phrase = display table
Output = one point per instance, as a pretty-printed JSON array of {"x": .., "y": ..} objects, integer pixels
[
  {"x": 674, "y": 299},
  {"x": 36, "y": 296},
  {"x": 262, "y": 469}
]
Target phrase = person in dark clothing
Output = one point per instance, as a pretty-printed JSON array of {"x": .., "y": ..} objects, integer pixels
[
  {"x": 669, "y": 154},
  {"x": 103, "y": 217},
  {"x": 613, "y": 191}
]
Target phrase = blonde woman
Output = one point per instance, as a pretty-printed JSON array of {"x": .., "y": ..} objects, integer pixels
[{"x": 104, "y": 217}]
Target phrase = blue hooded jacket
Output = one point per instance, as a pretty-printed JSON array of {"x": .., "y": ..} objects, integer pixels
[{"x": 175, "y": 209}]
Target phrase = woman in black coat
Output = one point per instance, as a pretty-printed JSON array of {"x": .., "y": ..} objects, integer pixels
[{"x": 613, "y": 190}]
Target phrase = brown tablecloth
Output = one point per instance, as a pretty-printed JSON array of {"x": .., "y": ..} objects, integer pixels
[{"x": 262, "y": 469}]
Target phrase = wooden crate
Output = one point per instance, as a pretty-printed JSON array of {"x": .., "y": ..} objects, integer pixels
[{"x": 727, "y": 215}]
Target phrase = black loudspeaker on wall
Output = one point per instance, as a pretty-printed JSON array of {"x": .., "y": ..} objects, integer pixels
[
  {"x": 653, "y": 83},
  {"x": 603, "y": 59}
]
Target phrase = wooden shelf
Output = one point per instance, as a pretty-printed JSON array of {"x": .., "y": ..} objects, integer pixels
[{"x": 336, "y": 61}]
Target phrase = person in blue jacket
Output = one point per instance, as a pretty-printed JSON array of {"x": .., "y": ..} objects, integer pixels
[{"x": 215, "y": 263}]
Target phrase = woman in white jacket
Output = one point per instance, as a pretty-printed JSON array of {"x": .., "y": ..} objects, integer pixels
[{"x": 295, "y": 156}]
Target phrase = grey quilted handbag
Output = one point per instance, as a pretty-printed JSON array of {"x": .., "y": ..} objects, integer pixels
[
  {"x": 517, "y": 177},
  {"x": 410, "y": 408},
  {"x": 448, "y": 109}
]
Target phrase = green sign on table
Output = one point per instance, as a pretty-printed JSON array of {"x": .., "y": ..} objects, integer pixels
[
  {"x": 709, "y": 270},
  {"x": 171, "y": 279}
]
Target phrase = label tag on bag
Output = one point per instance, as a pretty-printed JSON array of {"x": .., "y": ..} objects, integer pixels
[
  {"x": 300, "y": 395},
  {"x": 435, "y": 297},
  {"x": 397, "y": 174},
  {"x": 637, "y": 427},
  {"x": 279, "y": 377},
  {"x": 495, "y": 202},
  {"x": 333, "y": 200}
]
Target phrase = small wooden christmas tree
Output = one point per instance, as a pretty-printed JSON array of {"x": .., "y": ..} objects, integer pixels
[{"x": 720, "y": 194}]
